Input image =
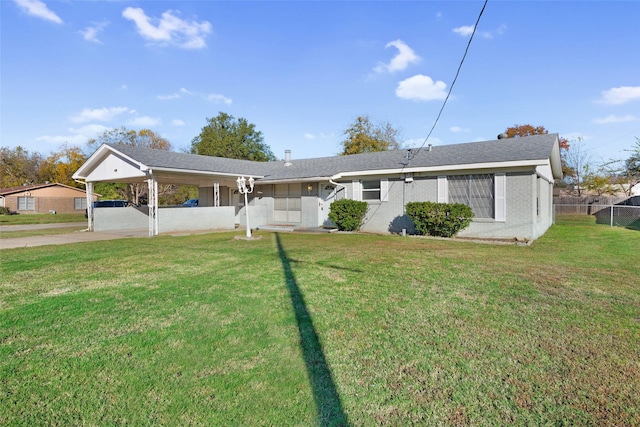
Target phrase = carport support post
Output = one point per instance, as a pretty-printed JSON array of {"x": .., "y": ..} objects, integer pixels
[
  {"x": 153, "y": 206},
  {"x": 89, "y": 190}
]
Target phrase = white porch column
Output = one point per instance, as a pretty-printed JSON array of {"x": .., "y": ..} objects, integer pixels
[
  {"x": 153, "y": 206},
  {"x": 89, "y": 195},
  {"x": 216, "y": 194}
]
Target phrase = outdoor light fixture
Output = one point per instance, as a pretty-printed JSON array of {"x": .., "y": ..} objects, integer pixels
[
  {"x": 309, "y": 188},
  {"x": 242, "y": 188}
]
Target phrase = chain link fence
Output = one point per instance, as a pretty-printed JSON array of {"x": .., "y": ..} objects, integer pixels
[{"x": 624, "y": 212}]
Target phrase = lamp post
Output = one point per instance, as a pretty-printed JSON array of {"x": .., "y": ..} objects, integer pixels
[{"x": 242, "y": 188}]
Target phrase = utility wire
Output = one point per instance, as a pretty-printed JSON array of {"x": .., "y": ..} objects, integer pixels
[{"x": 415, "y": 152}]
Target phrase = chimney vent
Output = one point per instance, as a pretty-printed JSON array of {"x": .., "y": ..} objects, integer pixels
[{"x": 287, "y": 158}]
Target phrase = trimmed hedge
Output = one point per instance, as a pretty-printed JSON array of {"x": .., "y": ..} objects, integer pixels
[
  {"x": 347, "y": 214},
  {"x": 439, "y": 219}
]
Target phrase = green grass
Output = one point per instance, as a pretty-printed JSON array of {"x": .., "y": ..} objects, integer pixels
[
  {"x": 41, "y": 232},
  {"x": 24, "y": 219},
  {"x": 206, "y": 330}
]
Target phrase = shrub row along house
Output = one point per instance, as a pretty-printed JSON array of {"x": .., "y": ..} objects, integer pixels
[{"x": 507, "y": 182}]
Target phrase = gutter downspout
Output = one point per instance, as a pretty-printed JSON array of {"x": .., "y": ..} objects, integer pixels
[{"x": 339, "y": 185}]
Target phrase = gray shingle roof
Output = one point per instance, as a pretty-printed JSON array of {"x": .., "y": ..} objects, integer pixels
[{"x": 532, "y": 148}]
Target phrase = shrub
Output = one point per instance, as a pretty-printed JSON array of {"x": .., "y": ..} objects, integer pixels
[
  {"x": 439, "y": 219},
  {"x": 347, "y": 214},
  {"x": 4, "y": 211}
]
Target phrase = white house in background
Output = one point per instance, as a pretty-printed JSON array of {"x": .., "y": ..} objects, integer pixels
[{"x": 507, "y": 182}]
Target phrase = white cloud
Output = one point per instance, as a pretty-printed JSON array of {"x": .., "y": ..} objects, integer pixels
[
  {"x": 620, "y": 95},
  {"x": 124, "y": 87},
  {"x": 177, "y": 122},
  {"x": 309, "y": 136},
  {"x": 144, "y": 121},
  {"x": 38, "y": 9},
  {"x": 167, "y": 97},
  {"x": 421, "y": 88},
  {"x": 169, "y": 29},
  {"x": 98, "y": 114},
  {"x": 465, "y": 30},
  {"x": 458, "y": 129},
  {"x": 91, "y": 33},
  {"x": 214, "y": 97},
  {"x": 616, "y": 119},
  {"x": 401, "y": 61},
  {"x": 77, "y": 136}
]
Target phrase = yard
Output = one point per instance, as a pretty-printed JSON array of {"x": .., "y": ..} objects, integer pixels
[{"x": 340, "y": 329}]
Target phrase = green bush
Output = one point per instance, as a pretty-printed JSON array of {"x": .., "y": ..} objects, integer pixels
[
  {"x": 4, "y": 211},
  {"x": 347, "y": 214},
  {"x": 439, "y": 219}
]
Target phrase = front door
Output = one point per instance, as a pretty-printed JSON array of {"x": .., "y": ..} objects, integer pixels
[{"x": 326, "y": 196}]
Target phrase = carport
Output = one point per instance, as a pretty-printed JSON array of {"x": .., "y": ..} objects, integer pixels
[{"x": 215, "y": 178}]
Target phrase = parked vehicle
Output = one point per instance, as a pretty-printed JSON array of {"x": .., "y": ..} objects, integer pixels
[
  {"x": 191, "y": 203},
  {"x": 110, "y": 204}
]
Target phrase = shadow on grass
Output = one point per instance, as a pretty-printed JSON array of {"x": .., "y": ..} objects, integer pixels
[{"x": 325, "y": 394}]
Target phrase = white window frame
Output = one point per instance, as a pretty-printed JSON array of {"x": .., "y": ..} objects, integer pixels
[
  {"x": 382, "y": 190},
  {"x": 26, "y": 203},
  {"x": 81, "y": 202},
  {"x": 469, "y": 179}
]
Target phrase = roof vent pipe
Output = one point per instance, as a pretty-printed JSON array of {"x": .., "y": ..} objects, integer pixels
[
  {"x": 287, "y": 157},
  {"x": 503, "y": 136},
  {"x": 430, "y": 147}
]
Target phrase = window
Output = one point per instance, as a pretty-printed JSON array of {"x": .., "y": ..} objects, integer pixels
[
  {"x": 475, "y": 191},
  {"x": 26, "y": 203},
  {"x": 371, "y": 190},
  {"x": 287, "y": 203},
  {"x": 79, "y": 203}
]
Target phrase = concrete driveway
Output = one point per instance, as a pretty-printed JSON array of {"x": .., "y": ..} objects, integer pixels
[{"x": 61, "y": 239}]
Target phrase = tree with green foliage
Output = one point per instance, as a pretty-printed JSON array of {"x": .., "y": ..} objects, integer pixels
[
  {"x": 18, "y": 167},
  {"x": 365, "y": 137},
  {"x": 226, "y": 136},
  {"x": 626, "y": 173}
]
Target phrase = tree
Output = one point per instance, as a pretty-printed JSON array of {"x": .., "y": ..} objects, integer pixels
[
  {"x": 579, "y": 164},
  {"x": 143, "y": 138},
  {"x": 226, "y": 136},
  {"x": 19, "y": 167},
  {"x": 60, "y": 166},
  {"x": 626, "y": 173},
  {"x": 123, "y": 136},
  {"x": 517, "y": 131},
  {"x": 365, "y": 137}
]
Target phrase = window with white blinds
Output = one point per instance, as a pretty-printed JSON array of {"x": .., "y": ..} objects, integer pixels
[{"x": 475, "y": 191}]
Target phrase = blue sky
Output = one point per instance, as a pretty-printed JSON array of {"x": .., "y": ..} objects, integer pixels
[{"x": 302, "y": 71}]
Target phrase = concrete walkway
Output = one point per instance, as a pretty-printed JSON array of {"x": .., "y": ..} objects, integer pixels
[{"x": 61, "y": 239}]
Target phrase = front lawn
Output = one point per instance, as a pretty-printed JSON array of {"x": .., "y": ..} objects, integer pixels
[
  {"x": 24, "y": 219},
  {"x": 330, "y": 329}
]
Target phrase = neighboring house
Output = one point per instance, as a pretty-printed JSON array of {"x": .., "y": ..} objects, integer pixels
[
  {"x": 508, "y": 183},
  {"x": 44, "y": 198}
]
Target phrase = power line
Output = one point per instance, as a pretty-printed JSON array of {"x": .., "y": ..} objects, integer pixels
[{"x": 415, "y": 153}]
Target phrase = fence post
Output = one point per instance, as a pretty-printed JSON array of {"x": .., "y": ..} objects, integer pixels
[{"x": 612, "y": 215}]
